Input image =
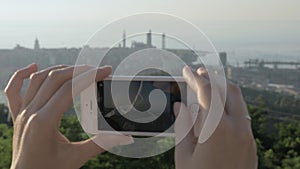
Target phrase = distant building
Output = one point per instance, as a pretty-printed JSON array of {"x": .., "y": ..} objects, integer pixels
[
  {"x": 19, "y": 47},
  {"x": 163, "y": 41},
  {"x": 36, "y": 44},
  {"x": 142, "y": 45},
  {"x": 223, "y": 58},
  {"x": 149, "y": 39},
  {"x": 138, "y": 45},
  {"x": 124, "y": 39}
]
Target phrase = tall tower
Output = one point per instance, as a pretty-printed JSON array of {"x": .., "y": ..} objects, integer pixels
[
  {"x": 36, "y": 44},
  {"x": 163, "y": 41},
  {"x": 149, "y": 40},
  {"x": 223, "y": 58},
  {"x": 124, "y": 39}
]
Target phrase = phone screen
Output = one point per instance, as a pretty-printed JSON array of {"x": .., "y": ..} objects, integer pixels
[{"x": 110, "y": 118}]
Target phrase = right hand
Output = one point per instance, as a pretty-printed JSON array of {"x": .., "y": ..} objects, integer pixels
[{"x": 231, "y": 146}]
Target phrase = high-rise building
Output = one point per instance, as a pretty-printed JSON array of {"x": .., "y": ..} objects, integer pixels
[
  {"x": 163, "y": 41},
  {"x": 223, "y": 58},
  {"x": 149, "y": 39},
  {"x": 36, "y": 44},
  {"x": 124, "y": 39}
]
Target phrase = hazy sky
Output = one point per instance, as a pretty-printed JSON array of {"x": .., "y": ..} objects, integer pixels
[{"x": 70, "y": 22}]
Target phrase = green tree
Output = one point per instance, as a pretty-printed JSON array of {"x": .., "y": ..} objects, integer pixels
[
  {"x": 278, "y": 142},
  {"x": 6, "y": 133},
  {"x": 3, "y": 114}
]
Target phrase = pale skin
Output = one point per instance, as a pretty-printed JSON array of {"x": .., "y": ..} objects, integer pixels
[
  {"x": 37, "y": 142},
  {"x": 232, "y": 145}
]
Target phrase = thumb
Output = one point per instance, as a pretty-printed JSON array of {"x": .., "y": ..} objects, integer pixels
[
  {"x": 184, "y": 135},
  {"x": 100, "y": 143}
]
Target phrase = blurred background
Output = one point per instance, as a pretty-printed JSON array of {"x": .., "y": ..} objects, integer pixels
[{"x": 258, "y": 43}]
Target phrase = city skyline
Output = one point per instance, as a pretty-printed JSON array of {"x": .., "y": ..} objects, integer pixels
[{"x": 285, "y": 37}]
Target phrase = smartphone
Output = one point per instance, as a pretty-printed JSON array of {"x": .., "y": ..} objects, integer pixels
[{"x": 139, "y": 115}]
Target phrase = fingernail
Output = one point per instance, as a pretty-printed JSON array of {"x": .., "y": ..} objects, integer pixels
[
  {"x": 200, "y": 70},
  {"x": 32, "y": 64},
  {"x": 106, "y": 66},
  {"x": 126, "y": 140},
  {"x": 187, "y": 68},
  {"x": 186, "y": 71},
  {"x": 176, "y": 108}
]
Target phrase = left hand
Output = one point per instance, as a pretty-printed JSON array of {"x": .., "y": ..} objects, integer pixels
[{"x": 37, "y": 142}]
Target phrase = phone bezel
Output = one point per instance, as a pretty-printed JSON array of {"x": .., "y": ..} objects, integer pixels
[{"x": 90, "y": 110}]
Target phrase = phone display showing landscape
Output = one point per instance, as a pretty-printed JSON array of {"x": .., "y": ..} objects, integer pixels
[{"x": 112, "y": 118}]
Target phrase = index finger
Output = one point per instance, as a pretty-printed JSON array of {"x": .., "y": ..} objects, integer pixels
[
  {"x": 14, "y": 86},
  {"x": 193, "y": 79},
  {"x": 63, "y": 97}
]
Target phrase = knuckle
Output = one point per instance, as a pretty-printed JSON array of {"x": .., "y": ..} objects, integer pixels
[
  {"x": 85, "y": 65},
  {"x": 24, "y": 114},
  {"x": 17, "y": 73},
  {"x": 54, "y": 74},
  {"x": 15, "y": 77},
  {"x": 34, "y": 120},
  {"x": 36, "y": 77},
  {"x": 7, "y": 90},
  {"x": 62, "y": 65}
]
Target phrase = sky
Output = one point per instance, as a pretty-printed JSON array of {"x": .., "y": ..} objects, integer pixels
[{"x": 70, "y": 23}]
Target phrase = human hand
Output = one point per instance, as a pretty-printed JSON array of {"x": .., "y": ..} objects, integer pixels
[
  {"x": 37, "y": 142},
  {"x": 231, "y": 146}
]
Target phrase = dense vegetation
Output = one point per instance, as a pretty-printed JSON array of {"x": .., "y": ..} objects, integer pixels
[
  {"x": 278, "y": 140},
  {"x": 272, "y": 101}
]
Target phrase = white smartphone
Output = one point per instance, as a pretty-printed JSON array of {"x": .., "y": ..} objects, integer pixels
[{"x": 98, "y": 113}]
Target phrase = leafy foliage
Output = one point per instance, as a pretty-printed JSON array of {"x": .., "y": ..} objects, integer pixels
[
  {"x": 278, "y": 142},
  {"x": 6, "y": 133}
]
